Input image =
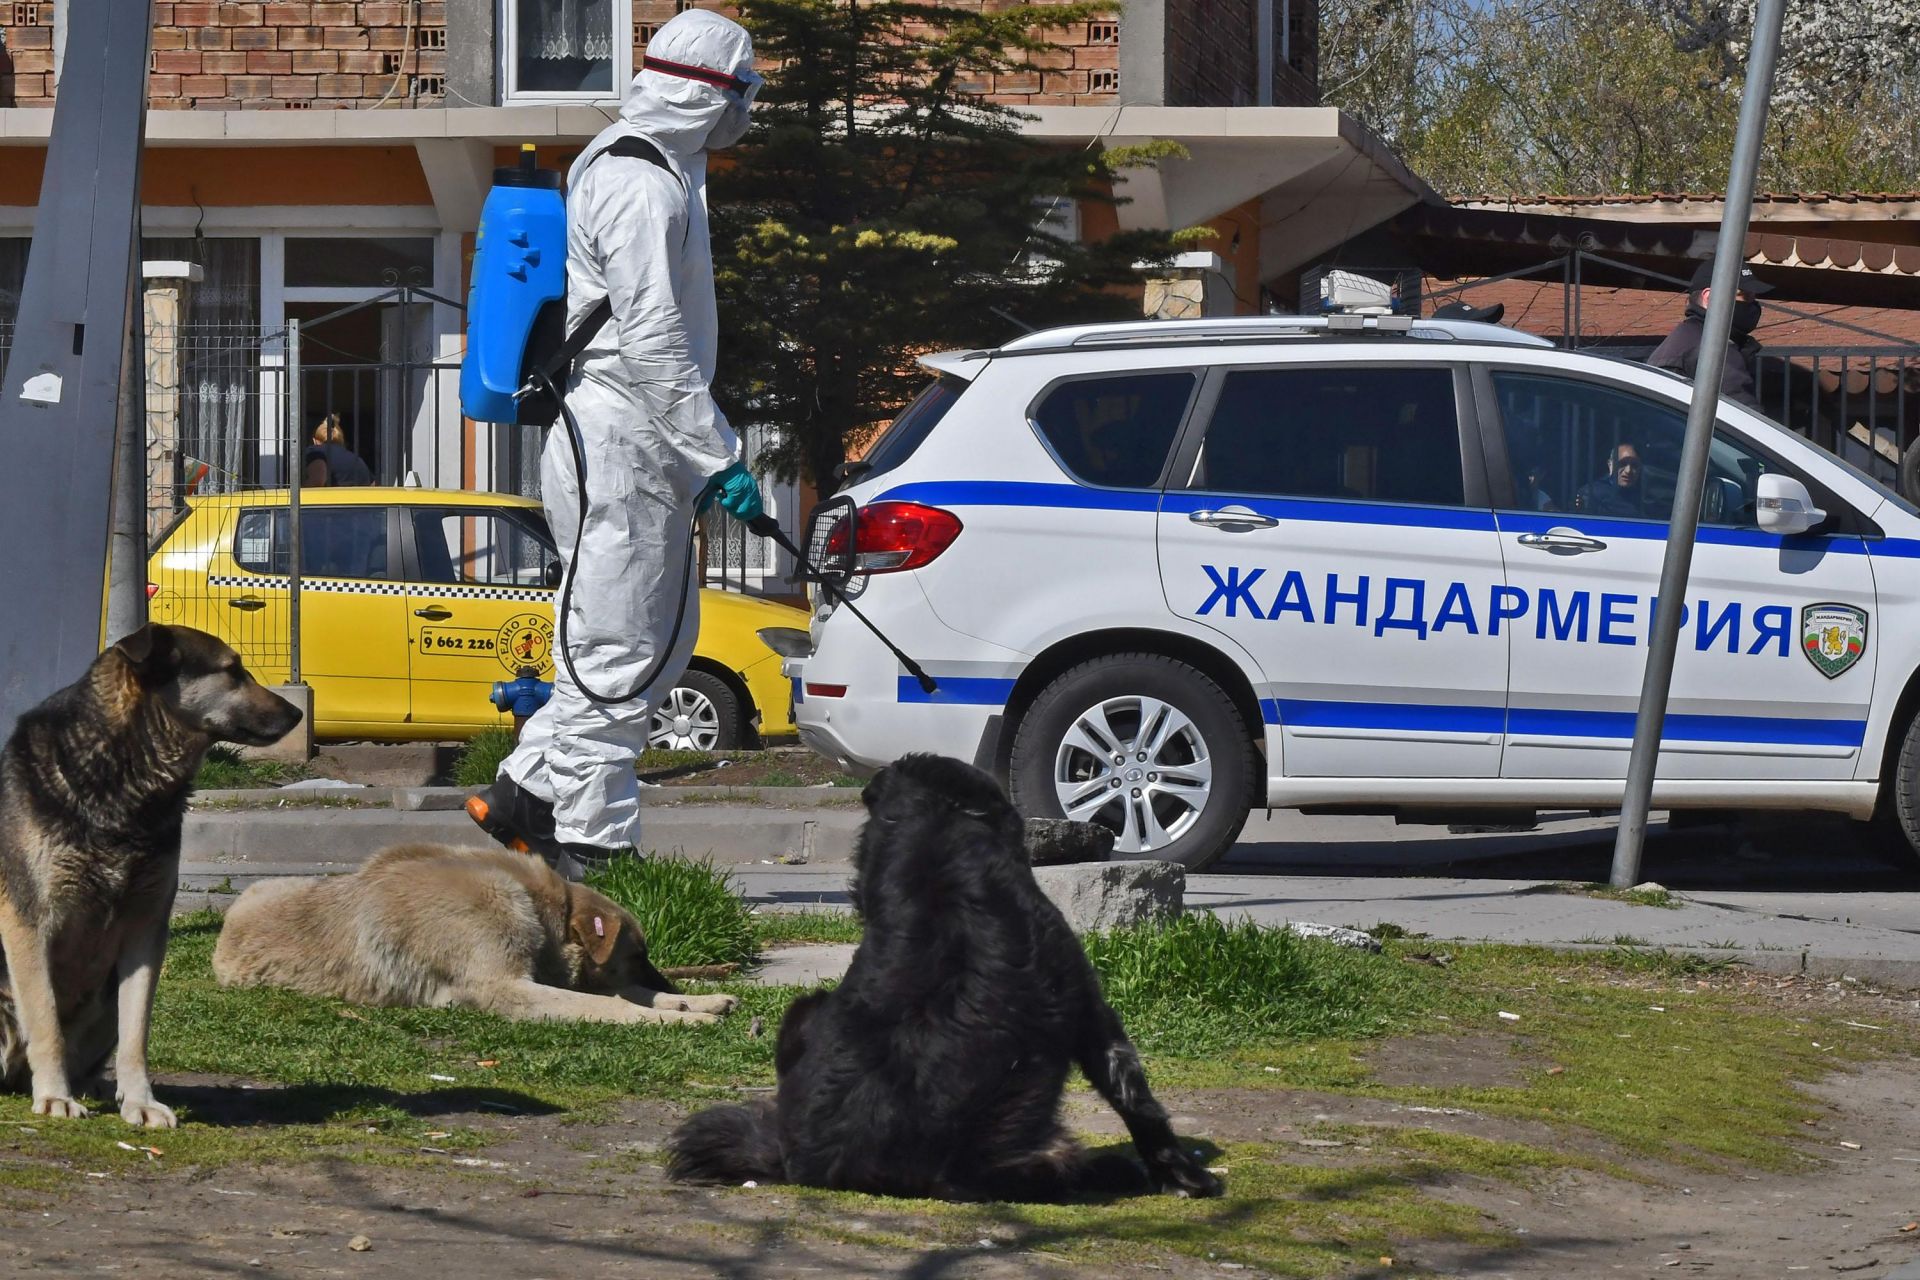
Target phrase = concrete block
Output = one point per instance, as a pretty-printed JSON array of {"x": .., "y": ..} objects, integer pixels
[
  {"x": 297, "y": 746},
  {"x": 1055, "y": 841},
  {"x": 1111, "y": 895}
]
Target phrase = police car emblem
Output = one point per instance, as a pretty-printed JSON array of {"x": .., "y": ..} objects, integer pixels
[{"x": 1833, "y": 636}]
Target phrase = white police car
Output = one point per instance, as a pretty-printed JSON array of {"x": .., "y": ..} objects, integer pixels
[{"x": 1168, "y": 573}]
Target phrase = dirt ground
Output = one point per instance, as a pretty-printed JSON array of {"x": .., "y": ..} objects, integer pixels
[{"x": 556, "y": 1196}]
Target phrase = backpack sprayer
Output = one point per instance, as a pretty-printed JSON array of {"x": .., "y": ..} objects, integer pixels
[{"x": 520, "y": 355}]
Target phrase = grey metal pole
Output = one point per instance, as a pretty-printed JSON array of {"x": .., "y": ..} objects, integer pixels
[
  {"x": 296, "y": 467},
  {"x": 127, "y": 539},
  {"x": 57, "y": 406},
  {"x": 1691, "y": 483}
]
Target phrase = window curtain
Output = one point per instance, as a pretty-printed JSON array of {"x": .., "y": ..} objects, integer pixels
[
  {"x": 565, "y": 45},
  {"x": 219, "y": 353}
]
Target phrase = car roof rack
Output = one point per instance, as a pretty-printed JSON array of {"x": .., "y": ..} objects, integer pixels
[{"x": 1255, "y": 329}]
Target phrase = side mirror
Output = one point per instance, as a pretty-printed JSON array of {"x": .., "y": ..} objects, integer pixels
[
  {"x": 1783, "y": 505},
  {"x": 554, "y": 573}
]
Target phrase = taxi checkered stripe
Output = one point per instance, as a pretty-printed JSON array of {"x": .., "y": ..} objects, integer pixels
[{"x": 366, "y": 587}]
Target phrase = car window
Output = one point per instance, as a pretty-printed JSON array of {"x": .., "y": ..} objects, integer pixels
[
  {"x": 1368, "y": 433},
  {"x": 1115, "y": 431},
  {"x": 1579, "y": 446},
  {"x": 908, "y": 431},
  {"x": 482, "y": 548},
  {"x": 335, "y": 542}
]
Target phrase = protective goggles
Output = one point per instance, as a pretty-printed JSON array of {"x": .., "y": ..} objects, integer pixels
[{"x": 747, "y": 85}]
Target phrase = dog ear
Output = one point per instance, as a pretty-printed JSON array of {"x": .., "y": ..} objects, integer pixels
[
  {"x": 876, "y": 789},
  {"x": 148, "y": 648},
  {"x": 596, "y": 927}
]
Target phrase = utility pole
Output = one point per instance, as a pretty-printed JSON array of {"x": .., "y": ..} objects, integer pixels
[
  {"x": 60, "y": 399},
  {"x": 1728, "y": 258}
]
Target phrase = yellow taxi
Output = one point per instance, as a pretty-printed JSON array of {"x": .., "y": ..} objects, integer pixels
[{"x": 413, "y": 602}]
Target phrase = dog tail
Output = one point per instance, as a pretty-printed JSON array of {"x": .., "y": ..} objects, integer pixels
[{"x": 727, "y": 1146}]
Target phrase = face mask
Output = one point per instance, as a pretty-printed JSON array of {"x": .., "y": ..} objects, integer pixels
[{"x": 1746, "y": 316}]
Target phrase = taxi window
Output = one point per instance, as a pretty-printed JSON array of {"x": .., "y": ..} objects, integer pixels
[
  {"x": 482, "y": 548},
  {"x": 1579, "y": 446},
  {"x": 1115, "y": 431},
  {"x": 1368, "y": 433},
  {"x": 335, "y": 542}
]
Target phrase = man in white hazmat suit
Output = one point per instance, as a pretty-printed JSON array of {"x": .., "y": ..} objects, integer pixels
[{"x": 655, "y": 445}]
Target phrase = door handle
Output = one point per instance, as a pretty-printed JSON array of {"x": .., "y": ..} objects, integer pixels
[
  {"x": 1232, "y": 519},
  {"x": 1562, "y": 542},
  {"x": 433, "y": 613},
  {"x": 249, "y": 603}
]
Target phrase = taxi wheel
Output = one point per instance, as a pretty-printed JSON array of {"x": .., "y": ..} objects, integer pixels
[
  {"x": 1145, "y": 745},
  {"x": 700, "y": 713}
]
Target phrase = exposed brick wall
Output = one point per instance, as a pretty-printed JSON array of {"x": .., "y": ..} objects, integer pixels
[
  {"x": 1082, "y": 68},
  {"x": 1211, "y": 53},
  {"x": 223, "y": 55}
]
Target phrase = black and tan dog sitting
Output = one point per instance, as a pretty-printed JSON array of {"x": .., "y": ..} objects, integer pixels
[
  {"x": 93, "y": 790},
  {"x": 936, "y": 1068}
]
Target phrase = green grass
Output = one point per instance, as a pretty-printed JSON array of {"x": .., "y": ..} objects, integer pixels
[
  {"x": 1197, "y": 986},
  {"x": 1625, "y": 1056},
  {"x": 691, "y": 913},
  {"x": 1638, "y": 897},
  {"x": 478, "y": 762},
  {"x": 225, "y": 769},
  {"x": 806, "y": 926}
]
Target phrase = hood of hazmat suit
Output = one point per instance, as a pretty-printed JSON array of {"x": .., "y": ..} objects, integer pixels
[{"x": 651, "y": 433}]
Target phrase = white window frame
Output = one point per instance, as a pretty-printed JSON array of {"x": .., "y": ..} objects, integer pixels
[{"x": 509, "y": 43}]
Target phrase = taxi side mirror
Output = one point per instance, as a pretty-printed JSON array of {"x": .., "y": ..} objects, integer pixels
[
  {"x": 555, "y": 572},
  {"x": 1783, "y": 505}
]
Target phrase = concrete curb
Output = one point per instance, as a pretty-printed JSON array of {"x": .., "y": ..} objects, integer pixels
[
  {"x": 727, "y": 833},
  {"x": 450, "y": 799}
]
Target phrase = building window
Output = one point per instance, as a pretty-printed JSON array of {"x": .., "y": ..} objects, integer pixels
[
  {"x": 564, "y": 50},
  {"x": 368, "y": 262}
]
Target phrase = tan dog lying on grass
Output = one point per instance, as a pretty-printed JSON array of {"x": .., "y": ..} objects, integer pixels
[{"x": 424, "y": 925}]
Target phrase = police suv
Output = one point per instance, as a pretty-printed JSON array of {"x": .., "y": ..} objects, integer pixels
[{"x": 1164, "y": 574}]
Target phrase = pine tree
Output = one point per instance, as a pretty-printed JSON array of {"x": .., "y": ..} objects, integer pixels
[{"x": 880, "y": 208}]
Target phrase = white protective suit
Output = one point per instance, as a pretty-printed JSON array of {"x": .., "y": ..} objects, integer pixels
[{"x": 636, "y": 234}]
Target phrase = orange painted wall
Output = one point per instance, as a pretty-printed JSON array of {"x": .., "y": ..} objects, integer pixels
[{"x": 231, "y": 177}]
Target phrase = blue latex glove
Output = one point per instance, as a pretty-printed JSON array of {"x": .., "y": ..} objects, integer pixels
[{"x": 738, "y": 492}]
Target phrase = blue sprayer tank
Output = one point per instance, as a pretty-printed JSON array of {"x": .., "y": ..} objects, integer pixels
[{"x": 519, "y": 287}]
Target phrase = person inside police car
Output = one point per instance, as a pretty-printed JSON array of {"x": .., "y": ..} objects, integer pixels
[{"x": 1619, "y": 492}]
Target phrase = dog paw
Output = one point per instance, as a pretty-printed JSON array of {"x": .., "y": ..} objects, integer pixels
[
  {"x": 46, "y": 1104},
  {"x": 690, "y": 1017},
  {"x": 148, "y": 1114},
  {"x": 712, "y": 1004},
  {"x": 1189, "y": 1181}
]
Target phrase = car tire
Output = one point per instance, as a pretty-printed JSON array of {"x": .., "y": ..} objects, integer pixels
[
  {"x": 1203, "y": 744},
  {"x": 701, "y": 713},
  {"x": 1894, "y": 830}
]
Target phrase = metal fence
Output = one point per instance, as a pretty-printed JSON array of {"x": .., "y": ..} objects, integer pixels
[{"x": 231, "y": 412}]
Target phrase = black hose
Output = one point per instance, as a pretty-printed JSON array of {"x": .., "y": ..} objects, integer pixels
[
  {"x": 763, "y": 525},
  {"x": 565, "y": 609}
]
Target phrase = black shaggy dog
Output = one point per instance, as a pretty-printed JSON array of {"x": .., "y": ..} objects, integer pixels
[{"x": 936, "y": 1068}]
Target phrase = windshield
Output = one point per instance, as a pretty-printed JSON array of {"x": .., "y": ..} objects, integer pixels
[
  {"x": 905, "y": 434},
  {"x": 1879, "y": 486}
]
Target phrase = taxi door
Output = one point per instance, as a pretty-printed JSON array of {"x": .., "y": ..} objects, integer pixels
[
  {"x": 1335, "y": 523},
  {"x": 1775, "y": 670},
  {"x": 245, "y": 598},
  {"x": 352, "y": 618},
  {"x": 479, "y": 609}
]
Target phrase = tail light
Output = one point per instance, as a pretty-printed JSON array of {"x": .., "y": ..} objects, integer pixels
[
  {"x": 152, "y": 590},
  {"x": 895, "y": 536}
]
